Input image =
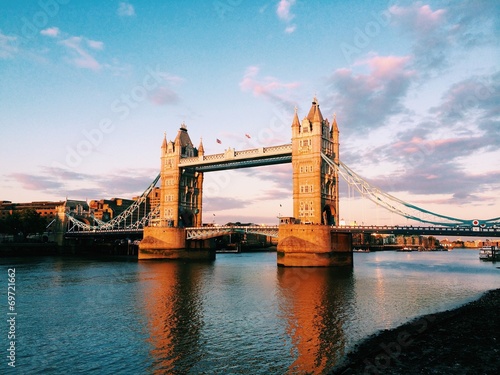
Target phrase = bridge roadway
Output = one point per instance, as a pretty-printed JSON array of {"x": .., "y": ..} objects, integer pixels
[
  {"x": 421, "y": 230},
  {"x": 272, "y": 230},
  {"x": 232, "y": 159}
]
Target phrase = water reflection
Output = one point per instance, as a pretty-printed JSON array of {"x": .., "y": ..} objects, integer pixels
[
  {"x": 313, "y": 302},
  {"x": 173, "y": 307}
]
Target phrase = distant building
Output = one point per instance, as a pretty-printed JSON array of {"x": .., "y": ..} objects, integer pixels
[
  {"x": 412, "y": 240},
  {"x": 47, "y": 209},
  {"x": 107, "y": 209}
]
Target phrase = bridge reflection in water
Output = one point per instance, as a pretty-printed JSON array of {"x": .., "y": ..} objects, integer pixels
[
  {"x": 205, "y": 319},
  {"x": 172, "y": 303},
  {"x": 312, "y": 303}
]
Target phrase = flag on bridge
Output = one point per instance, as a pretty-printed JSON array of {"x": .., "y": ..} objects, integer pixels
[{"x": 218, "y": 140}]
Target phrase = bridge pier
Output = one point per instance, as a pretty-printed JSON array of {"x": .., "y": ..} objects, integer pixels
[
  {"x": 171, "y": 243},
  {"x": 305, "y": 245}
]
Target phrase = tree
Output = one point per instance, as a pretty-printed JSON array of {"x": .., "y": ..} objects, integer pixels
[
  {"x": 32, "y": 222},
  {"x": 24, "y": 222},
  {"x": 12, "y": 223}
]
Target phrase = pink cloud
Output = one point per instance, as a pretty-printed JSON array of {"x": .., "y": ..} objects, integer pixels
[
  {"x": 418, "y": 144},
  {"x": 383, "y": 66},
  {"x": 163, "y": 96},
  {"x": 51, "y": 31},
  {"x": 418, "y": 18},
  {"x": 283, "y": 10},
  {"x": 267, "y": 86}
]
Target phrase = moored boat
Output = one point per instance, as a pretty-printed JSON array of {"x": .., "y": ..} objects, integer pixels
[{"x": 489, "y": 253}]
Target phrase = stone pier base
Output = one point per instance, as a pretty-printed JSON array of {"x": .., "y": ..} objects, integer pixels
[
  {"x": 302, "y": 245},
  {"x": 170, "y": 243}
]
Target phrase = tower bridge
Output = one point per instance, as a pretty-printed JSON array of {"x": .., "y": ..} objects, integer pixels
[
  {"x": 314, "y": 152},
  {"x": 174, "y": 229}
]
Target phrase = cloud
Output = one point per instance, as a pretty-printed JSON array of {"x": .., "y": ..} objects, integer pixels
[
  {"x": 440, "y": 179},
  {"x": 94, "y": 44},
  {"x": 60, "y": 182},
  {"x": 81, "y": 52},
  {"x": 163, "y": 96},
  {"x": 280, "y": 176},
  {"x": 283, "y": 10},
  {"x": 476, "y": 93},
  {"x": 269, "y": 87},
  {"x": 432, "y": 34},
  {"x": 432, "y": 156},
  {"x": 367, "y": 100},
  {"x": 32, "y": 182},
  {"x": 433, "y": 152},
  {"x": 8, "y": 46},
  {"x": 80, "y": 57},
  {"x": 436, "y": 32},
  {"x": 418, "y": 19},
  {"x": 125, "y": 10},
  {"x": 53, "y": 32},
  {"x": 223, "y": 203}
]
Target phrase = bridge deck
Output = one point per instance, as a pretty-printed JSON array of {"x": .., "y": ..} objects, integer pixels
[
  {"x": 232, "y": 159},
  {"x": 272, "y": 230}
]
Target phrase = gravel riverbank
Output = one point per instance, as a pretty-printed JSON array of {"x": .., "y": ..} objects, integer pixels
[{"x": 465, "y": 340}]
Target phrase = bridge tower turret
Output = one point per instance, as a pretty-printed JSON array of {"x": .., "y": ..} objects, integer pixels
[
  {"x": 315, "y": 183},
  {"x": 181, "y": 188}
]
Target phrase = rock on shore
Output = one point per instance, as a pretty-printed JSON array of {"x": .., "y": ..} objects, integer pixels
[{"x": 465, "y": 340}]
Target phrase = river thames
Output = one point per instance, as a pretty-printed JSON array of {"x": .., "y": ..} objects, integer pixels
[{"x": 240, "y": 314}]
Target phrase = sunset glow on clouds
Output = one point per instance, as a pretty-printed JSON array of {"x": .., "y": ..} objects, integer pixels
[{"x": 89, "y": 89}]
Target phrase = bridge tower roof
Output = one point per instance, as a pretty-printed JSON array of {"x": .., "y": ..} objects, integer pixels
[
  {"x": 314, "y": 114},
  {"x": 183, "y": 138}
]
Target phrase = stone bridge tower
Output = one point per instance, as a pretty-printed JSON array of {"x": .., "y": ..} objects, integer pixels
[
  {"x": 181, "y": 188},
  {"x": 315, "y": 183},
  {"x": 309, "y": 242}
]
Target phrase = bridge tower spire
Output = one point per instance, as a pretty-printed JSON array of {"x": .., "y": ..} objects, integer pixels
[{"x": 315, "y": 183}]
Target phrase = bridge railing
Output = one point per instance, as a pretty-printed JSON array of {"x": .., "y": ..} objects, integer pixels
[
  {"x": 236, "y": 155},
  {"x": 216, "y": 231}
]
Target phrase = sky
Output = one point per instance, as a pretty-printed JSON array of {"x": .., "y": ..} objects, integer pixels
[{"x": 88, "y": 89}]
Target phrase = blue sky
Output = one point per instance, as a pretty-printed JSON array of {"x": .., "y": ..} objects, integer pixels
[{"x": 87, "y": 89}]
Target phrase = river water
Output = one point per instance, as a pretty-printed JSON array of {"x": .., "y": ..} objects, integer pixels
[{"x": 238, "y": 315}]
